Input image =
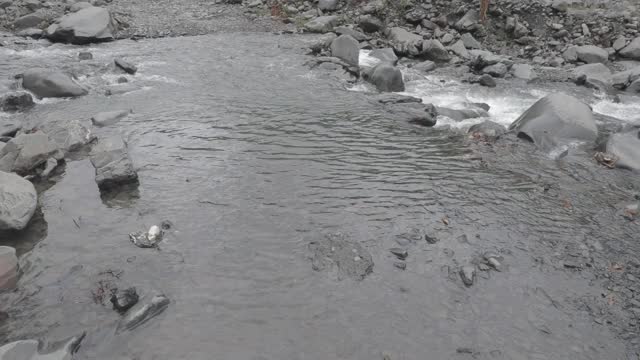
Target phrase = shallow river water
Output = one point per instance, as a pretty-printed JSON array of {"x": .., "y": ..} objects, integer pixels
[{"x": 251, "y": 156}]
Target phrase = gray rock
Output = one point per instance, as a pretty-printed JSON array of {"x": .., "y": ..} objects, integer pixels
[
  {"x": 335, "y": 251},
  {"x": 387, "y": 77},
  {"x": 124, "y": 300},
  {"x": 126, "y": 66},
  {"x": 390, "y": 98},
  {"x": 415, "y": 16},
  {"x": 89, "y": 25},
  {"x": 459, "y": 49},
  {"x": 487, "y": 80},
  {"x": 343, "y": 30},
  {"x": 631, "y": 51},
  {"x": 322, "y": 24},
  {"x": 346, "y": 48},
  {"x": 18, "y": 201},
  {"x": 111, "y": 160},
  {"x": 385, "y": 55},
  {"x": 461, "y": 114},
  {"x": 447, "y": 39},
  {"x": 401, "y": 254},
  {"x": 571, "y": 54},
  {"x": 524, "y": 72},
  {"x": 404, "y": 42},
  {"x": 562, "y": 5},
  {"x": 555, "y": 119},
  {"x": 69, "y": 135},
  {"x": 634, "y": 87},
  {"x": 435, "y": 51},
  {"x": 520, "y": 30},
  {"x": 8, "y": 261},
  {"x": 33, "y": 33},
  {"x": 621, "y": 80},
  {"x": 323, "y": 42},
  {"x": 79, "y": 6},
  {"x": 119, "y": 89},
  {"x": 470, "y": 42},
  {"x": 468, "y": 21},
  {"x": 85, "y": 55},
  {"x": 328, "y": 5},
  {"x": 619, "y": 44},
  {"x": 498, "y": 70},
  {"x": 468, "y": 275},
  {"x": 142, "y": 314},
  {"x": 415, "y": 113},
  {"x": 626, "y": 149},
  {"x": 595, "y": 71},
  {"x": 592, "y": 54},
  {"x": 19, "y": 101},
  {"x": 425, "y": 66},
  {"x": 29, "y": 350},
  {"x": 370, "y": 23},
  {"x": 25, "y": 152},
  {"x": 109, "y": 117},
  {"x": 482, "y": 58},
  {"x": 51, "y": 84},
  {"x": 29, "y": 21},
  {"x": 487, "y": 129}
]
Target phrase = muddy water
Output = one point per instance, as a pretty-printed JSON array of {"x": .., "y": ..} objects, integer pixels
[{"x": 251, "y": 157}]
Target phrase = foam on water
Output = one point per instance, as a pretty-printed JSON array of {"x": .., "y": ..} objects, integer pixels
[{"x": 627, "y": 111}]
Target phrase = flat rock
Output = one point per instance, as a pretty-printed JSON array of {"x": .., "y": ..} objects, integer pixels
[
  {"x": 592, "y": 54},
  {"x": 328, "y": 5},
  {"x": 126, "y": 66},
  {"x": 109, "y": 117},
  {"x": 322, "y": 24},
  {"x": 144, "y": 313},
  {"x": 8, "y": 264},
  {"x": 415, "y": 113},
  {"x": 33, "y": 33},
  {"x": 631, "y": 51},
  {"x": 619, "y": 44},
  {"x": 621, "y": 80},
  {"x": 461, "y": 114},
  {"x": 32, "y": 20},
  {"x": 119, "y": 89},
  {"x": 343, "y": 30},
  {"x": 435, "y": 51},
  {"x": 523, "y": 71},
  {"x": 51, "y": 84},
  {"x": 391, "y": 98},
  {"x": 336, "y": 252},
  {"x": 18, "y": 201},
  {"x": 89, "y": 25},
  {"x": 25, "y": 152},
  {"x": 459, "y": 49},
  {"x": 113, "y": 165},
  {"x": 498, "y": 70},
  {"x": 69, "y": 135},
  {"x": 595, "y": 71}
]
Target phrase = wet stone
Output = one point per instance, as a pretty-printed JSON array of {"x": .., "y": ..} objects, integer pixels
[
  {"x": 337, "y": 251},
  {"x": 430, "y": 239},
  {"x": 399, "y": 253},
  {"x": 468, "y": 275},
  {"x": 144, "y": 313},
  {"x": 126, "y": 66},
  {"x": 85, "y": 55},
  {"x": 124, "y": 300},
  {"x": 400, "y": 265}
]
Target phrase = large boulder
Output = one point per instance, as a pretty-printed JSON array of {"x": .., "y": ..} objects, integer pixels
[
  {"x": 19, "y": 101},
  {"x": 632, "y": 51},
  {"x": 346, "y": 48},
  {"x": 89, "y": 25},
  {"x": 8, "y": 267},
  {"x": 328, "y": 5},
  {"x": 26, "y": 152},
  {"x": 70, "y": 135},
  {"x": 435, "y": 51},
  {"x": 592, "y": 54},
  {"x": 621, "y": 80},
  {"x": 387, "y": 77},
  {"x": 385, "y": 55},
  {"x": 113, "y": 165},
  {"x": 460, "y": 49},
  {"x": 18, "y": 201},
  {"x": 596, "y": 71},
  {"x": 555, "y": 119},
  {"x": 626, "y": 149},
  {"x": 370, "y": 23},
  {"x": 404, "y": 42},
  {"x": 321, "y": 24},
  {"x": 51, "y": 84}
]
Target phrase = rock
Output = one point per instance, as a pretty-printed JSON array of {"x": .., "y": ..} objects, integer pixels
[
  {"x": 634, "y": 87},
  {"x": 470, "y": 42},
  {"x": 487, "y": 129},
  {"x": 322, "y": 43},
  {"x": 18, "y": 201},
  {"x": 89, "y": 25},
  {"x": 328, "y": 5},
  {"x": 8, "y": 264},
  {"x": 459, "y": 49},
  {"x": 592, "y": 54},
  {"x": 487, "y": 80},
  {"x": 400, "y": 265},
  {"x": 32, "y": 20},
  {"x": 25, "y": 152},
  {"x": 121, "y": 88},
  {"x": 390, "y": 98},
  {"x": 401, "y": 254},
  {"x": 370, "y": 23},
  {"x": 111, "y": 160},
  {"x": 69, "y": 135},
  {"x": 461, "y": 114},
  {"x": 126, "y": 66},
  {"x": 122, "y": 80},
  {"x": 51, "y": 84},
  {"x": 346, "y": 48},
  {"x": 625, "y": 147},
  {"x": 335, "y": 251},
  {"x": 425, "y": 66},
  {"x": 147, "y": 239},
  {"x": 50, "y": 165},
  {"x": 498, "y": 70},
  {"x": 122, "y": 301},
  {"x": 415, "y": 16},
  {"x": 554, "y": 119},
  {"x": 322, "y": 24},
  {"x": 385, "y": 55},
  {"x": 468, "y": 21},
  {"x": 415, "y": 113},
  {"x": 623, "y": 79},
  {"x": 109, "y": 117},
  {"x": 524, "y": 72},
  {"x": 430, "y": 239},
  {"x": 631, "y": 51},
  {"x": 30, "y": 350},
  {"x": 571, "y": 54},
  {"x": 482, "y": 59},
  {"x": 595, "y": 71},
  {"x": 520, "y": 30},
  {"x": 19, "y": 101},
  {"x": 619, "y": 44},
  {"x": 144, "y": 313},
  {"x": 33, "y": 33},
  {"x": 387, "y": 77},
  {"x": 468, "y": 275},
  {"x": 85, "y": 55},
  {"x": 343, "y": 30},
  {"x": 404, "y": 42},
  {"x": 79, "y": 6},
  {"x": 447, "y": 39},
  {"x": 435, "y": 51}
]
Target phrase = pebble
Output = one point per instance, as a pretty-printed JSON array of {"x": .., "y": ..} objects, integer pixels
[
  {"x": 124, "y": 300},
  {"x": 400, "y": 265},
  {"x": 399, "y": 253},
  {"x": 430, "y": 239},
  {"x": 468, "y": 275}
]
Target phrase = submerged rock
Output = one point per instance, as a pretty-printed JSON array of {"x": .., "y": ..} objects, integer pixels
[
  {"x": 89, "y": 25},
  {"x": 487, "y": 80},
  {"x": 19, "y": 101},
  {"x": 487, "y": 129},
  {"x": 625, "y": 147},
  {"x": 30, "y": 350},
  {"x": 109, "y": 117},
  {"x": 126, "y": 66},
  {"x": 8, "y": 267},
  {"x": 120, "y": 89},
  {"x": 346, "y": 48},
  {"x": 141, "y": 315},
  {"x": 415, "y": 113},
  {"x": 25, "y": 152},
  {"x": 85, "y": 55},
  {"x": 335, "y": 251},
  {"x": 387, "y": 77},
  {"x": 401, "y": 254},
  {"x": 390, "y": 98},
  {"x": 111, "y": 160},
  {"x": 51, "y": 84},
  {"x": 554, "y": 119}
]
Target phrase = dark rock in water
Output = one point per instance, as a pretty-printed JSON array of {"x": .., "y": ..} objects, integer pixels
[
  {"x": 400, "y": 265},
  {"x": 415, "y": 113},
  {"x": 387, "y": 77},
  {"x": 16, "y": 102},
  {"x": 85, "y": 55},
  {"x": 370, "y": 23},
  {"x": 124, "y": 300},
  {"x": 25, "y": 152},
  {"x": 487, "y": 80},
  {"x": 126, "y": 66},
  {"x": 51, "y": 84},
  {"x": 461, "y": 114},
  {"x": 144, "y": 313},
  {"x": 435, "y": 51},
  {"x": 330, "y": 62},
  {"x": 625, "y": 147},
  {"x": 487, "y": 129},
  {"x": 112, "y": 163},
  {"x": 397, "y": 99},
  {"x": 33, "y": 33},
  {"x": 468, "y": 275},
  {"x": 122, "y": 80},
  {"x": 623, "y": 79},
  {"x": 430, "y": 239},
  {"x": 328, "y": 5},
  {"x": 322, "y": 24},
  {"x": 385, "y": 55},
  {"x": 19, "y": 201},
  {"x": 335, "y": 251},
  {"x": 632, "y": 51},
  {"x": 399, "y": 253},
  {"x": 109, "y": 117},
  {"x": 346, "y": 48},
  {"x": 554, "y": 119},
  {"x": 89, "y": 25},
  {"x": 30, "y": 350},
  {"x": 323, "y": 42},
  {"x": 425, "y": 66},
  {"x": 120, "y": 89},
  {"x": 69, "y": 135},
  {"x": 343, "y": 30}
]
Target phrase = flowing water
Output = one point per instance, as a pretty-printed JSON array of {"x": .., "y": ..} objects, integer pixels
[{"x": 251, "y": 156}]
